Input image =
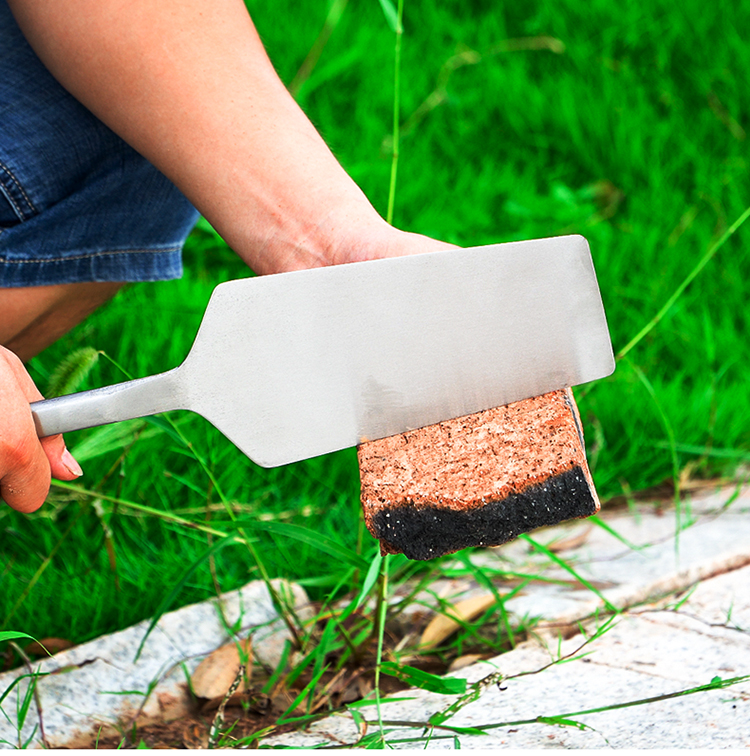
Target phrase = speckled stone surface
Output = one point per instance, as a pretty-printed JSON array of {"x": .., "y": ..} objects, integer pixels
[
  {"x": 684, "y": 620},
  {"x": 101, "y": 687},
  {"x": 479, "y": 480}
]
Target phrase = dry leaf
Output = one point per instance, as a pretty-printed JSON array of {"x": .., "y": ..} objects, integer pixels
[
  {"x": 443, "y": 625},
  {"x": 571, "y": 542},
  {"x": 53, "y": 645},
  {"x": 351, "y": 693},
  {"x": 364, "y": 687},
  {"x": 195, "y": 736},
  {"x": 215, "y": 674},
  {"x": 282, "y": 699},
  {"x": 464, "y": 661}
]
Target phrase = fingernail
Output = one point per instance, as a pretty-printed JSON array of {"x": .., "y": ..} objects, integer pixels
[{"x": 72, "y": 466}]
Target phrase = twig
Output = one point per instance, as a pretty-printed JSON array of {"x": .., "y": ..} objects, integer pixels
[
  {"x": 216, "y": 725},
  {"x": 715, "y": 684},
  {"x": 724, "y": 625},
  {"x": 497, "y": 678}
]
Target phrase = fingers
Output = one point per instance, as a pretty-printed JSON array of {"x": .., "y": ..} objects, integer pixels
[
  {"x": 62, "y": 464},
  {"x": 385, "y": 241},
  {"x": 415, "y": 244},
  {"x": 26, "y": 462}
]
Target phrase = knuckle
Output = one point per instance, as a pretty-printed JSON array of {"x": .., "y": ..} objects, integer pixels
[
  {"x": 15, "y": 378},
  {"x": 12, "y": 360},
  {"x": 17, "y": 453}
]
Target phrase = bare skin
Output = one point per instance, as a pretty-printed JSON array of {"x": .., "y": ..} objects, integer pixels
[
  {"x": 32, "y": 319},
  {"x": 189, "y": 85},
  {"x": 35, "y": 317},
  {"x": 26, "y": 463}
]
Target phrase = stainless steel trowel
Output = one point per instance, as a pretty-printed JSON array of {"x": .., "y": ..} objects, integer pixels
[{"x": 294, "y": 365}]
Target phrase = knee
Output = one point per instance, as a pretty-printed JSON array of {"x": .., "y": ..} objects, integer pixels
[{"x": 33, "y": 318}]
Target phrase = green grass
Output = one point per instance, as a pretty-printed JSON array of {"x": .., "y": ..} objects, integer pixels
[{"x": 629, "y": 130}]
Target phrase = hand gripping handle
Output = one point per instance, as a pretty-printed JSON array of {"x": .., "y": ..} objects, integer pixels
[{"x": 111, "y": 404}]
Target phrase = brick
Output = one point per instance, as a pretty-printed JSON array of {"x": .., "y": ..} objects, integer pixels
[{"x": 478, "y": 480}]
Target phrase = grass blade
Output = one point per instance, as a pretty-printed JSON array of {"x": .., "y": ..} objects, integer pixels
[
  {"x": 301, "y": 697},
  {"x": 166, "y": 426},
  {"x": 333, "y": 18},
  {"x": 603, "y": 525},
  {"x": 178, "y": 586},
  {"x": 370, "y": 579},
  {"x": 305, "y": 535},
  {"x": 15, "y": 682},
  {"x": 672, "y": 448},
  {"x": 390, "y": 13},
  {"x": 425, "y": 680},
  {"x": 397, "y": 26},
  {"x": 705, "y": 451},
  {"x": 28, "y": 697},
  {"x": 381, "y": 611},
  {"x": 712, "y": 250},
  {"x": 12, "y": 635},
  {"x": 562, "y": 563}
]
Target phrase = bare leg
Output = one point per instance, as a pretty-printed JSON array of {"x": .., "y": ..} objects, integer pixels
[{"x": 33, "y": 318}]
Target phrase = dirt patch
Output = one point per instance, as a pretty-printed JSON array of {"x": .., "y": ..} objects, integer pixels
[
  {"x": 250, "y": 715},
  {"x": 272, "y": 704}
]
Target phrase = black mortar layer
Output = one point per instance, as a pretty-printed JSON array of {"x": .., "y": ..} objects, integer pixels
[{"x": 425, "y": 532}]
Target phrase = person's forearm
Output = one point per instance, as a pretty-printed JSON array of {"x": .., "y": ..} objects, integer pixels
[{"x": 189, "y": 85}]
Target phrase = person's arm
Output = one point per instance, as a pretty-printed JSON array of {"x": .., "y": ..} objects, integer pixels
[{"x": 188, "y": 84}]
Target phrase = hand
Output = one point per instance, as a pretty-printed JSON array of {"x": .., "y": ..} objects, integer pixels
[
  {"x": 26, "y": 462},
  {"x": 371, "y": 242}
]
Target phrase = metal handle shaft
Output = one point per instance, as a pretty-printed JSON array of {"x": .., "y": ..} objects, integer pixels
[{"x": 111, "y": 404}]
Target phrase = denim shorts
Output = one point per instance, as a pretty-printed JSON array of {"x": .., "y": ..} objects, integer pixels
[{"x": 76, "y": 202}]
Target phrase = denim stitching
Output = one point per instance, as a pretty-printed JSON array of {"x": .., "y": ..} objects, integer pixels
[
  {"x": 4, "y": 191},
  {"x": 41, "y": 261},
  {"x": 20, "y": 188}
]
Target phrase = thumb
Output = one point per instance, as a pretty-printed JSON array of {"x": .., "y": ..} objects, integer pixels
[
  {"x": 26, "y": 462},
  {"x": 63, "y": 465}
]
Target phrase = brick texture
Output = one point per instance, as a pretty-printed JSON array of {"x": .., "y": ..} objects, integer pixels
[{"x": 479, "y": 480}]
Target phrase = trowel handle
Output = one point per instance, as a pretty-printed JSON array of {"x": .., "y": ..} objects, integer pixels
[{"x": 111, "y": 404}]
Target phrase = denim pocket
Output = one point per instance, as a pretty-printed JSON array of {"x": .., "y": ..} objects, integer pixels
[
  {"x": 15, "y": 205},
  {"x": 8, "y": 216},
  {"x": 76, "y": 202}
]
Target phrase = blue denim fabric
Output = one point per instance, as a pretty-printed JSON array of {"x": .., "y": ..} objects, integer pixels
[{"x": 76, "y": 202}]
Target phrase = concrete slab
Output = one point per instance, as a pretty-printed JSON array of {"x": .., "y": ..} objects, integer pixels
[
  {"x": 666, "y": 639},
  {"x": 659, "y": 645},
  {"x": 101, "y": 685},
  {"x": 717, "y": 541}
]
